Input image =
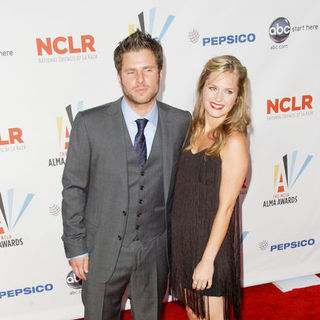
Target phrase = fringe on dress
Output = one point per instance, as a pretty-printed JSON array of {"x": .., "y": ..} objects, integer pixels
[{"x": 196, "y": 200}]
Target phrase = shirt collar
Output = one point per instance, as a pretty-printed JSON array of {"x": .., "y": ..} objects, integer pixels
[{"x": 130, "y": 116}]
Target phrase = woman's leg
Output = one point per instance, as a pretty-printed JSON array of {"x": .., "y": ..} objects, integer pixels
[
  {"x": 214, "y": 307},
  {"x": 188, "y": 294},
  {"x": 191, "y": 315}
]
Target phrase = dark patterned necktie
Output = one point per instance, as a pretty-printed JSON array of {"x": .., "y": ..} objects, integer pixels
[{"x": 140, "y": 142}]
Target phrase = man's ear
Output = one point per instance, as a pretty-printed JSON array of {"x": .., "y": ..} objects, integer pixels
[{"x": 119, "y": 78}]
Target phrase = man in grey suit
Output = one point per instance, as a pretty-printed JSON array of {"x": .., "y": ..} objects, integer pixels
[{"x": 118, "y": 183}]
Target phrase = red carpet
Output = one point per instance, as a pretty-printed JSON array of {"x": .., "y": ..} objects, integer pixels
[{"x": 264, "y": 302}]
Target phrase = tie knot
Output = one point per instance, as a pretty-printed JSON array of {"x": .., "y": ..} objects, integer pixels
[{"x": 141, "y": 123}]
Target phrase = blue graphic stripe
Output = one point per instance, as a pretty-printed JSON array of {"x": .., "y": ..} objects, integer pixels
[
  {"x": 152, "y": 14},
  {"x": 80, "y": 106},
  {"x": 244, "y": 234},
  {"x": 302, "y": 168},
  {"x": 10, "y": 204},
  {"x": 166, "y": 26},
  {"x": 29, "y": 197},
  {"x": 293, "y": 164}
]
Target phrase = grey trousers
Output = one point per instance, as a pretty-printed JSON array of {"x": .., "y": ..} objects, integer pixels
[{"x": 145, "y": 269}]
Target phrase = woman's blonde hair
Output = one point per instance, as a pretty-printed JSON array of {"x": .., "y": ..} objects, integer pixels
[{"x": 238, "y": 117}]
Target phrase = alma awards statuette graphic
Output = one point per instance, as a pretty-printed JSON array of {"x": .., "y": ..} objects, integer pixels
[
  {"x": 152, "y": 15},
  {"x": 9, "y": 220},
  {"x": 63, "y": 129},
  {"x": 284, "y": 178}
]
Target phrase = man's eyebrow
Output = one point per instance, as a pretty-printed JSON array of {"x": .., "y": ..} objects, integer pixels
[{"x": 144, "y": 67}]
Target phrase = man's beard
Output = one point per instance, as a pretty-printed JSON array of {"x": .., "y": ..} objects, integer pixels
[
  {"x": 136, "y": 99},
  {"x": 139, "y": 100}
]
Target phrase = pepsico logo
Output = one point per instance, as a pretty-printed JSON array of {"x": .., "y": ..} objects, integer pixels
[
  {"x": 263, "y": 245},
  {"x": 54, "y": 209},
  {"x": 193, "y": 35}
]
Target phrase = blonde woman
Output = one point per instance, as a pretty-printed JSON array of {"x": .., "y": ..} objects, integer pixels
[{"x": 205, "y": 273}]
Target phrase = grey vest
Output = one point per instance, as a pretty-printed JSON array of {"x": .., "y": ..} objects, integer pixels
[{"x": 146, "y": 214}]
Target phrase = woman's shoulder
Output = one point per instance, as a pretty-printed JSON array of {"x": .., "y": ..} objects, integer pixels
[
  {"x": 236, "y": 143},
  {"x": 236, "y": 137}
]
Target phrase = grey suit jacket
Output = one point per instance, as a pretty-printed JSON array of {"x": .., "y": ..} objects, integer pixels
[{"x": 95, "y": 183}]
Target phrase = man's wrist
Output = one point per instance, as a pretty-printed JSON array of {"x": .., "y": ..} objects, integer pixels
[{"x": 80, "y": 256}]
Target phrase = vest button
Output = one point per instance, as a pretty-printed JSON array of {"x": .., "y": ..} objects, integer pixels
[
  {"x": 141, "y": 187},
  {"x": 140, "y": 201},
  {"x": 142, "y": 173},
  {"x": 139, "y": 214},
  {"x": 119, "y": 237},
  {"x": 137, "y": 227}
]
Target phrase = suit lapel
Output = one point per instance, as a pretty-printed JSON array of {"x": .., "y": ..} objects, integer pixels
[
  {"x": 167, "y": 155},
  {"x": 115, "y": 137}
]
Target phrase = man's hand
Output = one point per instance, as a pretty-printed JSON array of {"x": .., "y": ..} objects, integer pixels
[{"x": 80, "y": 267}]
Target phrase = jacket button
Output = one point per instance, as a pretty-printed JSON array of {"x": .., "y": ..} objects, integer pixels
[
  {"x": 137, "y": 227},
  {"x": 124, "y": 213},
  {"x": 141, "y": 187},
  {"x": 140, "y": 201},
  {"x": 142, "y": 173},
  {"x": 119, "y": 237},
  {"x": 139, "y": 214}
]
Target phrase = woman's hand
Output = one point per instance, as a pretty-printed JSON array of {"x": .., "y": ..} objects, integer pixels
[{"x": 202, "y": 275}]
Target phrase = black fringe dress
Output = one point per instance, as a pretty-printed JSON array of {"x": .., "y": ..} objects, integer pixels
[{"x": 196, "y": 200}]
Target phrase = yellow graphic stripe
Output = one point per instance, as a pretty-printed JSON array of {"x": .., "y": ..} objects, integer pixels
[
  {"x": 59, "y": 126},
  {"x": 275, "y": 176},
  {"x": 131, "y": 28}
]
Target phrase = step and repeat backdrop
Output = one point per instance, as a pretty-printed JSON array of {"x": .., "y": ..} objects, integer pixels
[{"x": 56, "y": 59}]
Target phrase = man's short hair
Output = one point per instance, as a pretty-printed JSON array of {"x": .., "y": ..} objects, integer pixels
[{"x": 135, "y": 42}]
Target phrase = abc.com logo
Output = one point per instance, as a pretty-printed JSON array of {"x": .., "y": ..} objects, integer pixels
[
  {"x": 264, "y": 245},
  {"x": 62, "y": 45},
  {"x": 279, "y": 30},
  {"x": 73, "y": 281},
  {"x": 289, "y": 104}
]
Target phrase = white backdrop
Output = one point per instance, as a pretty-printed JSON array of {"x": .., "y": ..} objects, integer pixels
[{"x": 57, "y": 57}]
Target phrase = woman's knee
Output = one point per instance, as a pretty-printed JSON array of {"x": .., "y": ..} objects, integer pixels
[{"x": 191, "y": 314}]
